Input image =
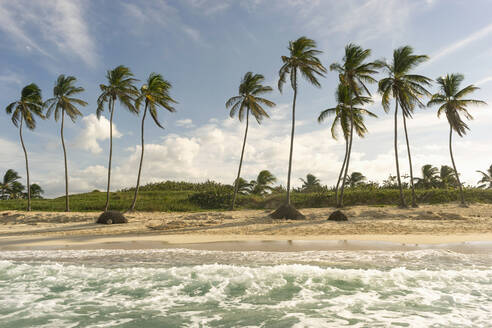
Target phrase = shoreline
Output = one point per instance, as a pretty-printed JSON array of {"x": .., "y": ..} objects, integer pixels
[
  {"x": 427, "y": 225},
  {"x": 285, "y": 243}
]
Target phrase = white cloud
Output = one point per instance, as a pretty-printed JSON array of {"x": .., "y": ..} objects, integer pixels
[
  {"x": 484, "y": 80},
  {"x": 57, "y": 22},
  {"x": 187, "y": 123},
  {"x": 94, "y": 130}
]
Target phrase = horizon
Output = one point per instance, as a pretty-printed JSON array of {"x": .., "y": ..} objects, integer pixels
[{"x": 205, "y": 63}]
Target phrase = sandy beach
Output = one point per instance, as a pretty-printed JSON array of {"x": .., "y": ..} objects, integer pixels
[{"x": 428, "y": 224}]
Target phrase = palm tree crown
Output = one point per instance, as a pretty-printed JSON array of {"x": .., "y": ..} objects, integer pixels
[
  {"x": 120, "y": 86},
  {"x": 263, "y": 183},
  {"x": 452, "y": 101},
  {"x": 249, "y": 99},
  {"x": 406, "y": 88},
  {"x": 355, "y": 72},
  {"x": 29, "y": 105},
  {"x": 303, "y": 57},
  {"x": 63, "y": 98},
  {"x": 342, "y": 112},
  {"x": 486, "y": 181},
  {"x": 155, "y": 93}
]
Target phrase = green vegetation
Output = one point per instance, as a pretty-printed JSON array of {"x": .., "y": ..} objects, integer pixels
[{"x": 182, "y": 196}]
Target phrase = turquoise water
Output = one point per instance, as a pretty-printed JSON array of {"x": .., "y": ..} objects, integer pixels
[{"x": 189, "y": 288}]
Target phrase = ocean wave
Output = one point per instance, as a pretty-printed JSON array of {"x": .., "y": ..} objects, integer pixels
[{"x": 59, "y": 294}]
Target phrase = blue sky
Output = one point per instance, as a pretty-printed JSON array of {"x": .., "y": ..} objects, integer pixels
[{"x": 204, "y": 47}]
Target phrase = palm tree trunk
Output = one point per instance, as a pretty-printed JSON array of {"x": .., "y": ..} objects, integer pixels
[
  {"x": 111, "y": 105},
  {"x": 132, "y": 208},
  {"x": 292, "y": 135},
  {"x": 462, "y": 196},
  {"x": 236, "y": 187},
  {"x": 340, "y": 200},
  {"x": 414, "y": 201},
  {"x": 341, "y": 171},
  {"x": 67, "y": 202},
  {"x": 402, "y": 200},
  {"x": 27, "y": 167}
]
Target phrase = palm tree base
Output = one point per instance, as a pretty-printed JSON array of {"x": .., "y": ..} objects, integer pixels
[
  {"x": 403, "y": 207},
  {"x": 415, "y": 205},
  {"x": 464, "y": 205},
  {"x": 288, "y": 212}
]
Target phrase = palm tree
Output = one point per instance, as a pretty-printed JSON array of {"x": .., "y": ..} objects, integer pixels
[
  {"x": 429, "y": 178},
  {"x": 447, "y": 177},
  {"x": 120, "y": 86},
  {"x": 36, "y": 191},
  {"x": 24, "y": 110},
  {"x": 486, "y": 181},
  {"x": 17, "y": 191},
  {"x": 248, "y": 101},
  {"x": 343, "y": 113},
  {"x": 354, "y": 72},
  {"x": 406, "y": 89},
  {"x": 155, "y": 94},
  {"x": 6, "y": 185},
  {"x": 263, "y": 183},
  {"x": 303, "y": 59},
  {"x": 355, "y": 179},
  {"x": 452, "y": 102},
  {"x": 244, "y": 187},
  {"x": 63, "y": 102},
  {"x": 311, "y": 183}
]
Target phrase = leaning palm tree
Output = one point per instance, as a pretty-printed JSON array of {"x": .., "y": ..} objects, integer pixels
[
  {"x": 406, "y": 89},
  {"x": 6, "y": 185},
  {"x": 248, "y": 101},
  {"x": 343, "y": 115},
  {"x": 303, "y": 59},
  {"x": 155, "y": 94},
  {"x": 486, "y": 181},
  {"x": 23, "y": 111},
  {"x": 354, "y": 72},
  {"x": 120, "y": 87},
  {"x": 36, "y": 191},
  {"x": 63, "y": 102},
  {"x": 452, "y": 102}
]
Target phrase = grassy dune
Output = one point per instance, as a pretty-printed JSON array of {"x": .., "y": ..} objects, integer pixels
[{"x": 220, "y": 198}]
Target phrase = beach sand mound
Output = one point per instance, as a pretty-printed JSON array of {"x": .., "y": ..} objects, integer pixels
[
  {"x": 287, "y": 212},
  {"x": 111, "y": 217},
  {"x": 337, "y": 216}
]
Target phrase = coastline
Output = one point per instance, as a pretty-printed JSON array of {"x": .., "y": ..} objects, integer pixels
[
  {"x": 368, "y": 227},
  {"x": 461, "y": 243}
]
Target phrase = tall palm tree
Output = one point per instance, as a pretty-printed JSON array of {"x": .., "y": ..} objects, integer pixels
[
  {"x": 155, "y": 94},
  {"x": 248, "y": 101},
  {"x": 263, "y": 183},
  {"x": 452, "y": 102},
  {"x": 486, "y": 181},
  {"x": 406, "y": 89},
  {"x": 310, "y": 184},
  {"x": 303, "y": 59},
  {"x": 343, "y": 113},
  {"x": 24, "y": 110},
  {"x": 63, "y": 102},
  {"x": 354, "y": 72},
  {"x": 6, "y": 186},
  {"x": 120, "y": 86},
  {"x": 355, "y": 179}
]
